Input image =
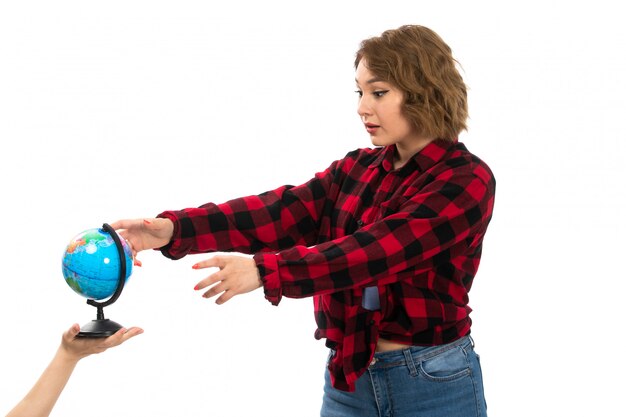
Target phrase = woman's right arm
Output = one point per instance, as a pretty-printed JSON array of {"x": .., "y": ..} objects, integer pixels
[{"x": 282, "y": 218}]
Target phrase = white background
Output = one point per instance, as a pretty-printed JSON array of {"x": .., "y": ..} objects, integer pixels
[{"x": 122, "y": 109}]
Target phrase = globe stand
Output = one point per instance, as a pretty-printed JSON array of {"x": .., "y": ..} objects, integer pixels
[{"x": 102, "y": 327}]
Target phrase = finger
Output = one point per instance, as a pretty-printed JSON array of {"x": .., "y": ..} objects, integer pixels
[
  {"x": 132, "y": 332},
  {"x": 216, "y": 289},
  {"x": 210, "y": 280},
  {"x": 133, "y": 252},
  {"x": 115, "y": 339},
  {"x": 128, "y": 240},
  {"x": 231, "y": 289},
  {"x": 214, "y": 262},
  {"x": 127, "y": 236},
  {"x": 123, "y": 224},
  {"x": 116, "y": 225},
  {"x": 228, "y": 294}
]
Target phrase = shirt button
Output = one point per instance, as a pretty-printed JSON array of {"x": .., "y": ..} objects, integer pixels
[{"x": 359, "y": 222}]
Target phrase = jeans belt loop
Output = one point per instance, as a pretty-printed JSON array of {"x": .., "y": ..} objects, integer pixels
[{"x": 409, "y": 362}]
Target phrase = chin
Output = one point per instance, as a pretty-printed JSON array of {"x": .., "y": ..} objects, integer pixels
[
  {"x": 376, "y": 141},
  {"x": 379, "y": 142}
]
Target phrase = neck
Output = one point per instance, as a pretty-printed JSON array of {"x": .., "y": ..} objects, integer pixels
[{"x": 404, "y": 152}]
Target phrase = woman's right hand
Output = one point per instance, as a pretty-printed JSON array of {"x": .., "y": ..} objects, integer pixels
[{"x": 143, "y": 234}]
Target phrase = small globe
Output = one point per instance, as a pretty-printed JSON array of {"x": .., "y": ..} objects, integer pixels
[{"x": 91, "y": 264}]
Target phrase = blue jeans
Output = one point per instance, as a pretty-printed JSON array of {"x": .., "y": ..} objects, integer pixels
[{"x": 420, "y": 381}]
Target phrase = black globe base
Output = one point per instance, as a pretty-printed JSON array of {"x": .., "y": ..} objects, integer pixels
[{"x": 99, "y": 328}]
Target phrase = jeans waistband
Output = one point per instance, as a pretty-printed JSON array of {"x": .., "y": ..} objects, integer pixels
[{"x": 416, "y": 353}]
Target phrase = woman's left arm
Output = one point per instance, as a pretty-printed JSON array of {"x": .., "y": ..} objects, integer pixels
[{"x": 451, "y": 213}]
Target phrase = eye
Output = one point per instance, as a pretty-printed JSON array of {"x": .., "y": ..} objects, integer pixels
[
  {"x": 359, "y": 93},
  {"x": 380, "y": 93}
]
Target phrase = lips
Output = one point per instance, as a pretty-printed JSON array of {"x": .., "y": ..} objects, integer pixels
[{"x": 371, "y": 128}]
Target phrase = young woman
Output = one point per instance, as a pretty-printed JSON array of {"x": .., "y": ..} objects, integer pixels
[{"x": 387, "y": 240}]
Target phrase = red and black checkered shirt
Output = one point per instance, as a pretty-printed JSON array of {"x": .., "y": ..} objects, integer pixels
[{"x": 414, "y": 233}]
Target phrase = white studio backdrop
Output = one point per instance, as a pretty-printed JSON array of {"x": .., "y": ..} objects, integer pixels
[{"x": 113, "y": 110}]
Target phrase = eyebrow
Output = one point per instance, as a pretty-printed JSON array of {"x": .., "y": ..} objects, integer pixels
[{"x": 371, "y": 80}]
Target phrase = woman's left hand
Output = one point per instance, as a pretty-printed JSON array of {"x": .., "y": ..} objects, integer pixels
[{"x": 237, "y": 275}]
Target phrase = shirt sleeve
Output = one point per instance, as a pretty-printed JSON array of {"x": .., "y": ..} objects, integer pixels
[
  {"x": 450, "y": 214},
  {"x": 282, "y": 218}
]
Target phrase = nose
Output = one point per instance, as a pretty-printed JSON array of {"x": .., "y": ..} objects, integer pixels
[{"x": 363, "y": 108}]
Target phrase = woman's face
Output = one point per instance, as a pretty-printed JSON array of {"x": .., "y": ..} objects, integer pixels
[{"x": 380, "y": 109}]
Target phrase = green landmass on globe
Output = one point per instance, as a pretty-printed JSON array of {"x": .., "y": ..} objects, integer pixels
[{"x": 91, "y": 264}]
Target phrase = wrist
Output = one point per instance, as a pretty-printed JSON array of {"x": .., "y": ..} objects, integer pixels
[{"x": 66, "y": 356}]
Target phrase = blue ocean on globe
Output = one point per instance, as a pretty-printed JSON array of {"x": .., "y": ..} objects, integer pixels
[{"x": 91, "y": 264}]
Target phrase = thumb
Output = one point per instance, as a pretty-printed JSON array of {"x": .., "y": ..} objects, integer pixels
[
  {"x": 71, "y": 333},
  {"x": 74, "y": 330},
  {"x": 158, "y": 226}
]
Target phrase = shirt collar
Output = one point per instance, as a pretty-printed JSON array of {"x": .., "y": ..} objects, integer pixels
[{"x": 424, "y": 159}]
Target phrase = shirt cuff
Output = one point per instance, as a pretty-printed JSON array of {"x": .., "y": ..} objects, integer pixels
[
  {"x": 268, "y": 269},
  {"x": 172, "y": 249}
]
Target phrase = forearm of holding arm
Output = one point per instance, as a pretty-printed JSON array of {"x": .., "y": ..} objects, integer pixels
[{"x": 44, "y": 394}]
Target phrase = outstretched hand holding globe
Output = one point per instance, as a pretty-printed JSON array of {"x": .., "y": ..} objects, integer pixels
[{"x": 96, "y": 265}]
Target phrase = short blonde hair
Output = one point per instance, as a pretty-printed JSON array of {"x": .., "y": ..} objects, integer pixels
[{"x": 417, "y": 61}]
